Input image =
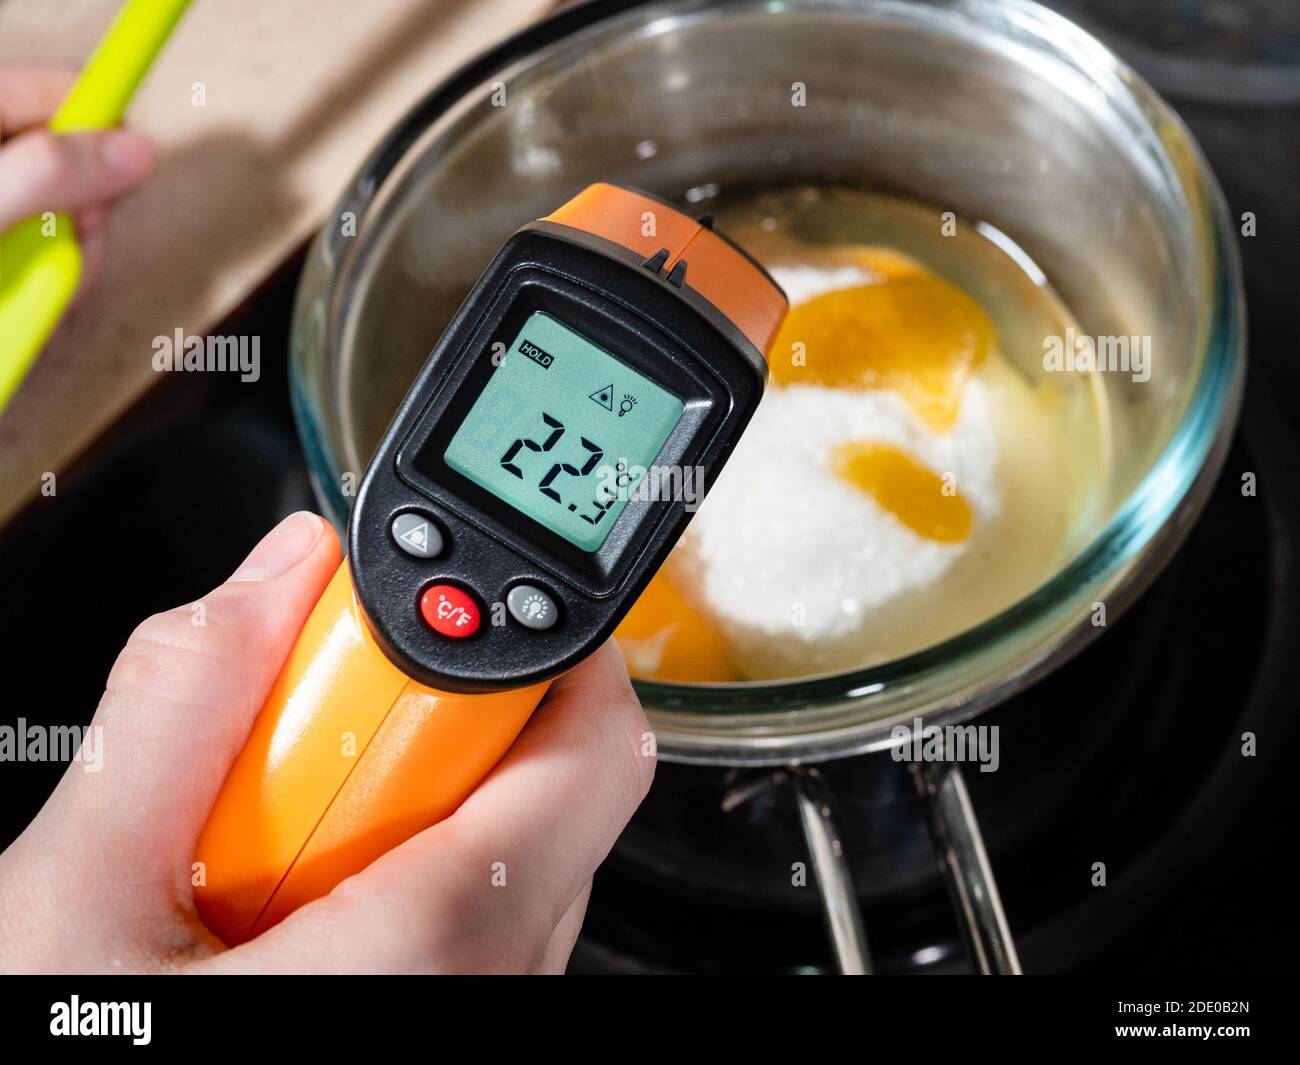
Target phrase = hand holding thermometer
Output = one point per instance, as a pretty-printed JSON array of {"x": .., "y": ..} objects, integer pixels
[{"x": 507, "y": 522}]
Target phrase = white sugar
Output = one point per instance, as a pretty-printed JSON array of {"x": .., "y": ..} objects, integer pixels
[
  {"x": 802, "y": 283},
  {"x": 796, "y": 564}
]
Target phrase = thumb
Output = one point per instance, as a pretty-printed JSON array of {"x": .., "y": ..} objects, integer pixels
[
  {"x": 43, "y": 171},
  {"x": 179, "y": 703}
]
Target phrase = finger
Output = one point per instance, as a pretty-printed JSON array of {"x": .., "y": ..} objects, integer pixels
[
  {"x": 311, "y": 941},
  {"x": 178, "y": 706},
  {"x": 90, "y": 220},
  {"x": 29, "y": 95},
  {"x": 544, "y": 819},
  {"x": 571, "y": 781},
  {"x": 42, "y": 171},
  {"x": 556, "y": 956},
  {"x": 90, "y": 235}
]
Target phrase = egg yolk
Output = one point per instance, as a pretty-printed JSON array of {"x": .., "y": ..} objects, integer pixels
[
  {"x": 912, "y": 333},
  {"x": 663, "y": 637},
  {"x": 885, "y": 263},
  {"x": 921, "y": 499}
]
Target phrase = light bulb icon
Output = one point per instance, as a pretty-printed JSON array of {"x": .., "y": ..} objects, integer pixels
[
  {"x": 628, "y": 403},
  {"x": 535, "y": 607}
]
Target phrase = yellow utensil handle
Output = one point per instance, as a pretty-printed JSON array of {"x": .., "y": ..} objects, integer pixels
[
  {"x": 39, "y": 272},
  {"x": 119, "y": 62}
]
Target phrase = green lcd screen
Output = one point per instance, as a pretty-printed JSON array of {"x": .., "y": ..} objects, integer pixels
[{"x": 563, "y": 431}]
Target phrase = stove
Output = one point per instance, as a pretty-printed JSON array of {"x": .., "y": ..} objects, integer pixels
[{"x": 1129, "y": 755}]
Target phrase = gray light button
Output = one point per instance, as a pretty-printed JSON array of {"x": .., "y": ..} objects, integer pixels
[
  {"x": 417, "y": 535},
  {"x": 532, "y": 607}
]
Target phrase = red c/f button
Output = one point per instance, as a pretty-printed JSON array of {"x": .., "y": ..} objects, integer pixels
[{"x": 450, "y": 611}]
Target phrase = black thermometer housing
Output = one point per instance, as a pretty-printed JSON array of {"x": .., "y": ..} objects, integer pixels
[{"x": 586, "y": 280}]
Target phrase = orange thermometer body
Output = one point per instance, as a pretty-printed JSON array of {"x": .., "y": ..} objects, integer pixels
[{"x": 525, "y": 493}]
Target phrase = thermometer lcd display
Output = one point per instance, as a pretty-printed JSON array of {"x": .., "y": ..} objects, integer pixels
[{"x": 563, "y": 432}]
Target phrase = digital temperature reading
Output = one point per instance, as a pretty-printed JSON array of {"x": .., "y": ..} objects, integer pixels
[{"x": 563, "y": 431}]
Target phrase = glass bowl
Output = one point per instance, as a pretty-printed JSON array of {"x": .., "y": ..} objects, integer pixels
[{"x": 998, "y": 110}]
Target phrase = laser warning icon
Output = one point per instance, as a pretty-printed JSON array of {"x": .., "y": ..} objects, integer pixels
[
  {"x": 605, "y": 397},
  {"x": 418, "y": 537}
]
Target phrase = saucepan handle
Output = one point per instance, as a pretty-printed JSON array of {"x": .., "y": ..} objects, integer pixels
[
  {"x": 965, "y": 863},
  {"x": 959, "y": 845},
  {"x": 820, "y": 821}
]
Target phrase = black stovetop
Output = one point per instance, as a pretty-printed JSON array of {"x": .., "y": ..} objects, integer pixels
[{"x": 1129, "y": 755}]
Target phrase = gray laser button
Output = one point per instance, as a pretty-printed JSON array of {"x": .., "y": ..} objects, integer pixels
[{"x": 417, "y": 535}]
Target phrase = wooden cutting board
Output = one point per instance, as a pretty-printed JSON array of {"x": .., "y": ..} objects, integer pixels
[{"x": 261, "y": 112}]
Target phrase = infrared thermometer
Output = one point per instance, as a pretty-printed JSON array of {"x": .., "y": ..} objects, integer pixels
[{"x": 519, "y": 502}]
